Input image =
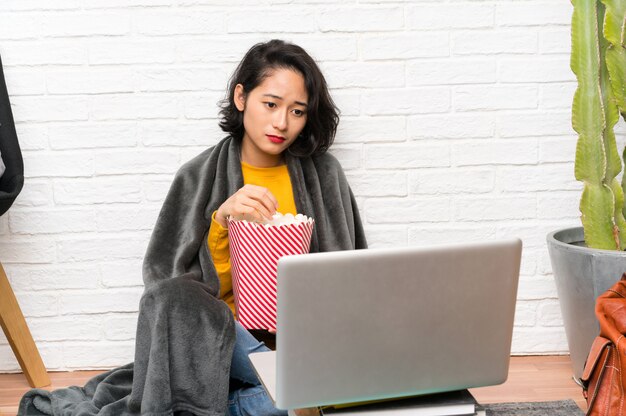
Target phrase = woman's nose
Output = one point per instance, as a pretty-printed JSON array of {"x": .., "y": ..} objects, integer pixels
[{"x": 280, "y": 120}]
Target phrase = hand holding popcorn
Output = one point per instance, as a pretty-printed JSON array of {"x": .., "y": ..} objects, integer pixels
[{"x": 251, "y": 203}]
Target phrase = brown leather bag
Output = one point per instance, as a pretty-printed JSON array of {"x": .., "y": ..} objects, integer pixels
[{"x": 604, "y": 376}]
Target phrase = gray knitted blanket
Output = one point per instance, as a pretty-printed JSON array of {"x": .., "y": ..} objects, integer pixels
[{"x": 185, "y": 333}]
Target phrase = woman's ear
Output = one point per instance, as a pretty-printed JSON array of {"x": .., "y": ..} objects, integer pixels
[{"x": 239, "y": 97}]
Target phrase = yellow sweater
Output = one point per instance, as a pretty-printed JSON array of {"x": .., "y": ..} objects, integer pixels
[{"x": 275, "y": 179}]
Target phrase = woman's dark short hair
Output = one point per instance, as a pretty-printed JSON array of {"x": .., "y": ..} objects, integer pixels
[{"x": 322, "y": 114}]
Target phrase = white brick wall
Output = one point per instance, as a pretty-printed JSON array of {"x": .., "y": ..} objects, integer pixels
[{"x": 455, "y": 126}]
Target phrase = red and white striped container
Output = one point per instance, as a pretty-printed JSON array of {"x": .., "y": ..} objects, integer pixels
[{"x": 254, "y": 252}]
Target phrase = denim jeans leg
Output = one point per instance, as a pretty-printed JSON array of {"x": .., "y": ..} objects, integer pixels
[{"x": 252, "y": 399}]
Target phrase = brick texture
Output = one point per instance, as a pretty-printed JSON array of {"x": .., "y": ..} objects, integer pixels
[{"x": 455, "y": 127}]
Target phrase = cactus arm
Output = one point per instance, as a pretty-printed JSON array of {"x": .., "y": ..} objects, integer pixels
[
  {"x": 613, "y": 163},
  {"x": 620, "y": 222},
  {"x": 624, "y": 182},
  {"x": 597, "y": 204},
  {"x": 614, "y": 20},
  {"x": 613, "y": 92},
  {"x": 616, "y": 63},
  {"x": 587, "y": 111},
  {"x": 614, "y": 98},
  {"x": 609, "y": 98},
  {"x": 616, "y": 54}
]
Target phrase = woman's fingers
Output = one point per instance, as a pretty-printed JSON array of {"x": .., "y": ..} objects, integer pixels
[
  {"x": 263, "y": 195},
  {"x": 251, "y": 202},
  {"x": 261, "y": 199},
  {"x": 252, "y": 211},
  {"x": 254, "y": 203}
]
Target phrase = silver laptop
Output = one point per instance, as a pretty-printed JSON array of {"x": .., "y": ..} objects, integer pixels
[{"x": 372, "y": 324}]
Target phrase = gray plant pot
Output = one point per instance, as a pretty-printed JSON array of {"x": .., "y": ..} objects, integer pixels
[{"x": 581, "y": 275}]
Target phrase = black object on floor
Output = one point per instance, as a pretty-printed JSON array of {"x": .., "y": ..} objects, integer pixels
[{"x": 12, "y": 181}]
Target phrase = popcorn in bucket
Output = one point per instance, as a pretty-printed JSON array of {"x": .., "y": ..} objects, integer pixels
[{"x": 254, "y": 252}]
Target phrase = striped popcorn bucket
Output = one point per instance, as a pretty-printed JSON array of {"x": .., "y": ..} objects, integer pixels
[{"x": 254, "y": 252}]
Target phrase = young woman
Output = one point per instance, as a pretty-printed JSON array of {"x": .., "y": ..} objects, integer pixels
[
  {"x": 190, "y": 354},
  {"x": 280, "y": 113}
]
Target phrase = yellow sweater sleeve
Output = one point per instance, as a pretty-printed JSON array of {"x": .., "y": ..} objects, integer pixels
[{"x": 218, "y": 247}]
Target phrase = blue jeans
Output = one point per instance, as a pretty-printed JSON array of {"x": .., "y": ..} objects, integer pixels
[{"x": 251, "y": 399}]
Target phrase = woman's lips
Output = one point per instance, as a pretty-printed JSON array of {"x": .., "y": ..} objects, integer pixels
[{"x": 275, "y": 139}]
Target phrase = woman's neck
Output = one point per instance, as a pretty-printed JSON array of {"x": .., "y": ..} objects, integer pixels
[{"x": 258, "y": 159}]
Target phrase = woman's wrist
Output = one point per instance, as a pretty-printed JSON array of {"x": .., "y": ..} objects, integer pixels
[{"x": 221, "y": 219}]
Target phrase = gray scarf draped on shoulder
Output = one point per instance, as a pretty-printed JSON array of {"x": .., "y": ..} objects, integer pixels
[{"x": 185, "y": 333}]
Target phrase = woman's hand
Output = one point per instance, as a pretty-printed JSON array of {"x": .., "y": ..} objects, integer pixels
[{"x": 251, "y": 202}]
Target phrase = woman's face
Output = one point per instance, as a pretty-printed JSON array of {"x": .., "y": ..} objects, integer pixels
[{"x": 274, "y": 113}]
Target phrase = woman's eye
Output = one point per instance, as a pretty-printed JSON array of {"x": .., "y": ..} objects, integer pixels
[
  {"x": 270, "y": 104},
  {"x": 298, "y": 112}
]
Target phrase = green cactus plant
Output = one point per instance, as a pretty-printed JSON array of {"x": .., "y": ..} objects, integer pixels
[{"x": 598, "y": 59}]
